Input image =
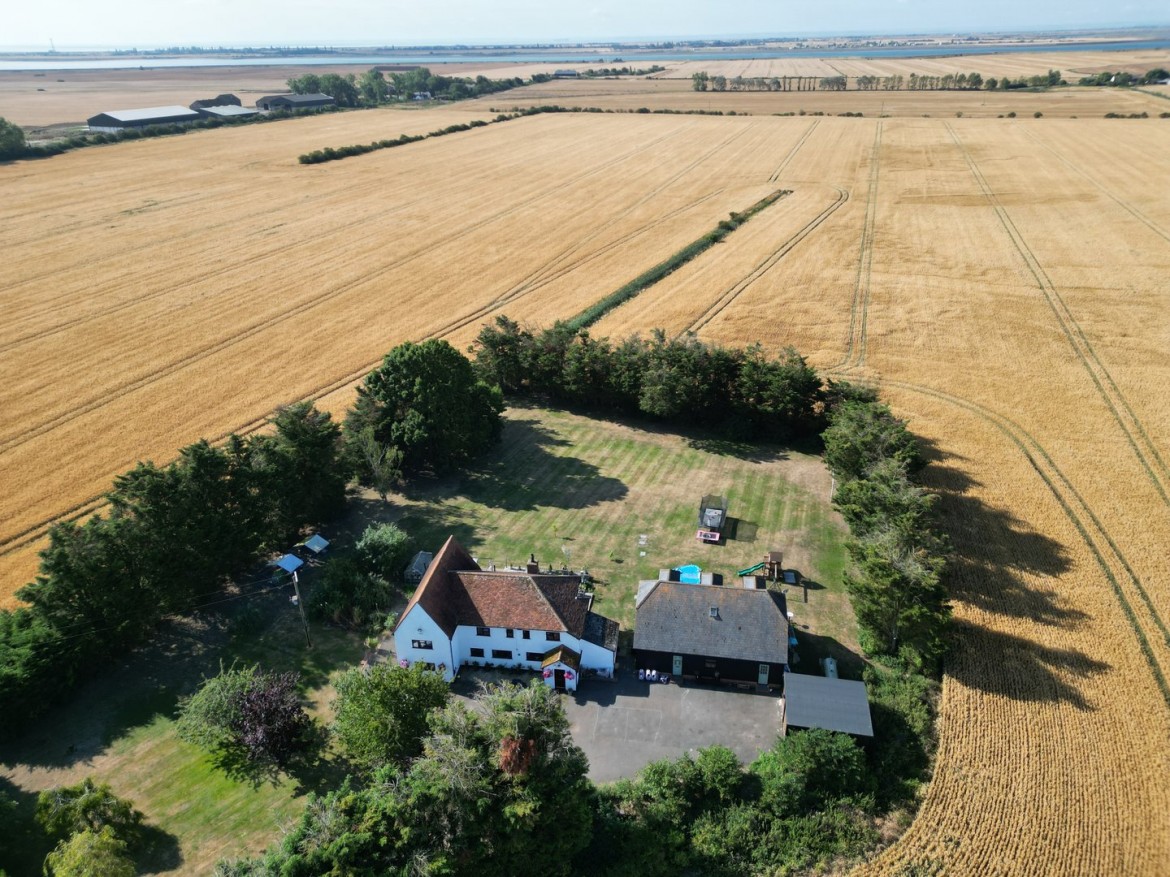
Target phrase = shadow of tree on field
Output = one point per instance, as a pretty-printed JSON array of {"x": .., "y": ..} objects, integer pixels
[
  {"x": 158, "y": 851},
  {"x": 25, "y": 844},
  {"x": 524, "y": 474},
  {"x": 1018, "y": 668}
]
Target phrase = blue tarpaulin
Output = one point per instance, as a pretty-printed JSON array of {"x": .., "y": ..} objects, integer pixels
[{"x": 290, "y": 563}]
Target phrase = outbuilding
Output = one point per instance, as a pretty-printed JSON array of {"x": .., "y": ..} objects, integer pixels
[
  {"x": 821, "y": 702},
  {"x": 711, "y": 633},
  {"x": 418, "y": 567},
  {"x": 294, "y": 102},
  {"x": 227, "y": 112},
  {"x": 113, "y": 121}
]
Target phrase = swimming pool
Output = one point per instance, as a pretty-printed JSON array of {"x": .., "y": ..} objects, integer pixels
[{"x": 689, "y": 574}]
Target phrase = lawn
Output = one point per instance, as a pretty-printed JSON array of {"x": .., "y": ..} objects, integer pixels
[
  {"x": 621, "y": 500},
  {"x": 120, "y": 729}
]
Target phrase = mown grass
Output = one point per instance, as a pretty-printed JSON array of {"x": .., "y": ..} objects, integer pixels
[{"x": 585, "y": 492}]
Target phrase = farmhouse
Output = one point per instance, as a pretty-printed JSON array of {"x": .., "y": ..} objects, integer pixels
[
  {"x": 713, "y": 633},
  {"x": 294, "y": 102},
  {"x": 117, "y": 120},
  {"x": 820, "y": 702},
  {"x": 524, "y": 619}
]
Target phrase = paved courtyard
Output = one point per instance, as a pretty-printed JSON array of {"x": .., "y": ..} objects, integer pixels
[{"x": 626, "y": 724}]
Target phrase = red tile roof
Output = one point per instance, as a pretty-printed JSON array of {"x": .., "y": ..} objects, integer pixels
[{"x": 456, "y": 591}]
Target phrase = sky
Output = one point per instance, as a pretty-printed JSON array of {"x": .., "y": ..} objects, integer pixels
[{"x": 152, "y": 23}]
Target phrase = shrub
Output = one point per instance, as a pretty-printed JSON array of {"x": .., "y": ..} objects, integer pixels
[{"x": 384, "y": 550}]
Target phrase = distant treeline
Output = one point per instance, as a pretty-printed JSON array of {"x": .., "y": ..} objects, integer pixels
[
  {"x": 1121, "y": 79},
  {"x": 898, "y": 82}
]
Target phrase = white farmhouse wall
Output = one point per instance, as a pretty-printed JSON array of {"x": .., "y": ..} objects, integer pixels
[
  {"x": 418, "y": 625},
  {"x": 467, "y": 638},
  {"x": 594, "y": 657}
]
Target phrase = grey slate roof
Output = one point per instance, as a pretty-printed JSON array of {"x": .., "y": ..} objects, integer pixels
[
  {"x": 832, "y": 704},
  {"x": 750, "y": 625},
  {"x": 601, "y": 631}
]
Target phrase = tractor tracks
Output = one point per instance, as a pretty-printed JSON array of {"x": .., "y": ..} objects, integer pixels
[
  {"x": 855, "y": 346},
  {"x": 1123, "y": 414},
  {"x": 735, "y": 290},
  {"x": 1146, "y": 622}
]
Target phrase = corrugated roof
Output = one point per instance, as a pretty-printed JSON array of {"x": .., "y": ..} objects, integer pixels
[
  {"x": 151, "y": 113},
  {"x": 229, "y": 110},
  {"x": 833, "y": 704},
  {"x": 716, "y": 622}
]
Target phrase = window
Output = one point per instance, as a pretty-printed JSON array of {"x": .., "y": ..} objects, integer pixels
[
  {"x": 552, "y": 636},
  {"x": 422, "y": 644},
  {"x": 477, "y": 653},
  {"x": 509, "y": 633},
  {"x": 501, "y": 654},
  {"x": 534, "y": 656},
  {"x": 527, "y": 634},
  {"x": 483, "y": 631}
]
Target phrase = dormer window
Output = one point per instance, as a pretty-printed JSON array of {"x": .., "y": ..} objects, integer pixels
[{"x": 714, "y": 611}]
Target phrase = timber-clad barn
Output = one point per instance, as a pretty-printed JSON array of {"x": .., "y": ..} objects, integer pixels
[{"x": 713, "y": 633}]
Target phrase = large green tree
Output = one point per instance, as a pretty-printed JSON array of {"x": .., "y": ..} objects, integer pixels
[
  {"x": 380, "y": 715},
  {"x": 87, "y": 806},
  {"x": 90, "y": 854},
  {"x": 424, "y": 399}
]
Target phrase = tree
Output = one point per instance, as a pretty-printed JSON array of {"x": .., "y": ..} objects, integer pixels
[
  {"x": 257, "y": 713},
  {"x": 342, "y": 89},
  {"x": 377, "y": 464},
  {"x": 384, "y": 550},
  {"x": 380, "y": 716},
  {"x": 424, "y": 399},
  {"x": 305, "y": 470},
  {"x": 860, "y": 435},
  {"x": 90, "y": 853},
  {"x": 373, "y": 86},
  {"x": 699, "y": 81},
  {"x": 87, "y": 806},
  {"x": 12, "y": 144},
  {"x": 808, "y": 771}
]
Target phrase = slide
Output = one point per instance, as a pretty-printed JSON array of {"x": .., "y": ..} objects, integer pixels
[{"x": 752, "y": 569}]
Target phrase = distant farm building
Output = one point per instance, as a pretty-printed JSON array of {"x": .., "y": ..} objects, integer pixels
[
  {"x": 227, "y": 112},
  {"x": 711, "y": 633},
  {"x": 118, "y": 120},
  {"x": 294, "y": 102},
  {"x": 567, "y": 74},
  {"x": 220, "y": 100},
  {"x": 821, "y": 702}
]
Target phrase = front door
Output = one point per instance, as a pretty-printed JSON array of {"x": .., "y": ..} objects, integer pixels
[
  {"x": 559, "y": 680},
  {"x": 763, "y": 677},
  {"x": 677, "y": 665}
]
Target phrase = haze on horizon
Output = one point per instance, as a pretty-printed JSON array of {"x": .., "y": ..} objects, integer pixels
[{"x": 147, "y": 23}]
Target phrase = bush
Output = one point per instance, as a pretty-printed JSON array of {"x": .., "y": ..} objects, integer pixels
[
  {"x": 87, "y": 806},
  {"x": 12, "y": 142},
  {"x": 384, "y": 550}
]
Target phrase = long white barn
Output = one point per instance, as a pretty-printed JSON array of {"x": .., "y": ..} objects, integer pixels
[{"x": 461, "y": 614}]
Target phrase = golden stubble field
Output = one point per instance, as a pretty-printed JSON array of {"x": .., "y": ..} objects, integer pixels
[{"x": 1003, "y": 280}]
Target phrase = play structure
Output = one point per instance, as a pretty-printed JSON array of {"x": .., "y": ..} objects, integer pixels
[
  {"x": 773, "y": 563},
  {"x": 712, "y": 519}
]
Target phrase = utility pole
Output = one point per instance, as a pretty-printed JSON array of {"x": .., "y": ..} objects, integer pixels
[{"x": 301, "y": 606}]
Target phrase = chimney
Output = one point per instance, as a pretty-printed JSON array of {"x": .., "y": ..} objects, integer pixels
[
  {"x": 533, "y": 566},
  {"x": 715, "y": 613}
]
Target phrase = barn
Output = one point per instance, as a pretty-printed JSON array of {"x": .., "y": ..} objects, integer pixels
[
  {"x": 294, "y": 102},
  {"x": 227, "y": 112},
  {"x": 711, "y": 633},
  {"x": 117, "y": 120}
]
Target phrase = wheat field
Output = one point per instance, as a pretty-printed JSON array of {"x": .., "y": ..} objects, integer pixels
[{"x": 1002, "y": 281}]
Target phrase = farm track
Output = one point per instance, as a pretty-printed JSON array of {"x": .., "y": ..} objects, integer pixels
[
  {"x": 302, "y": 308},
  {"x": 1136, "y": 436},
  {"x": 92, "y": 504},
  {"x": 1146, "y": 622},
  {"x": 855, "y": 346},
  {"x": 733, "y": 292}
]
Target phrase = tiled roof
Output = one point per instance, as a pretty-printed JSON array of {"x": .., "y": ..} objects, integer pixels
[
  {"x": 561, "y": 655},
  {"x": 717, "y": 622},
  {"x": 455, "y": 591},
  {"x": 601, "y": 631}
]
